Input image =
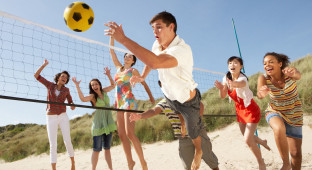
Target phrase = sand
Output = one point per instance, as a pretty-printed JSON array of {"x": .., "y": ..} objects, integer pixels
[{"x": 227, "y": 144}]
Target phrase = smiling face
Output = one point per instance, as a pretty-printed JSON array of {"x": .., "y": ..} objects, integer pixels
[
  {"x": 271, "y": 65},
  {"x": 128, "y": 59},
  {"x": 164, "y": 34},
  {"x": 63, "y": 79},
  {"x": 234, "y": 66},
  {"x": 95, "y": 86}
]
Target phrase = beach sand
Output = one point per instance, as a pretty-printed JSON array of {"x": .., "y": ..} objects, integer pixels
[{"x": 227, "y": 143}]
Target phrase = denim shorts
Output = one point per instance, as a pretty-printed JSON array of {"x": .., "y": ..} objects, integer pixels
[
  {"x": 190, "y": 112},
  {"x": 291, "y": 131},
  {"x": 102, "y": 140}
]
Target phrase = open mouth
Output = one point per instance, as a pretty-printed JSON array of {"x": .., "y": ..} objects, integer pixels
[
  {"x": 269, "y": 69},
  {"x": 232, "y": 69}
]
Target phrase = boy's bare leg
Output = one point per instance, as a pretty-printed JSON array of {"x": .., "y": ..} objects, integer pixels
[
  {"x": 183, "y": 129},
  {"x": 197, "y": 144},
  {"x": 198, "y": 153}
]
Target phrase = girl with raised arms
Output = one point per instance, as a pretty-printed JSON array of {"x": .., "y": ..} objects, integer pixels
[
  {"x": 125, "y": 100},
  {"x": 56, "y": 114},
  {"x": 103, "y": 124}
]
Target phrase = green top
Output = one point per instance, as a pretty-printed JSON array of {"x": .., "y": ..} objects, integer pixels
[{"x": 103, "y": 122}]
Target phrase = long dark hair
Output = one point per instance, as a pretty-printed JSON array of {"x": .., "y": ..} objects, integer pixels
[
  {"x": 240, "y": 60},
  {"x": 280, "y": 58},
  {"x": 91, "y": 91}
]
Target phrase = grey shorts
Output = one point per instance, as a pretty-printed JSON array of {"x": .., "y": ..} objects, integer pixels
[
  {"x": 190, "y": 113},
  {"x": 187, "y": 150}
]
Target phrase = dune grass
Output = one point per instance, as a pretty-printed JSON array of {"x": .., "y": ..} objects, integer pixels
[{"x": 22, "y": 140}]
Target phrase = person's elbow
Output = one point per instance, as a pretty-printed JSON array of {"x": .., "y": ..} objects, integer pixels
[
  {"x": 298, "y": 77},
  {"x": 154, "y": 65},
  {"x": 83, "y": 99}
]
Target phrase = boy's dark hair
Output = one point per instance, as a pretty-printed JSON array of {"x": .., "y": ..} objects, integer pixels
[
  {"x": 240, "y": 60},
  {"x": 167, "y": 18},
  {"x": 134, "y": 59},
  {"x": 280, "y": 58},
  {"x": 57, "y": 76}
]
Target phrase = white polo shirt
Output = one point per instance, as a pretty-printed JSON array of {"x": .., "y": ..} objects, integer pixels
[{"x": 177, "y": 82}]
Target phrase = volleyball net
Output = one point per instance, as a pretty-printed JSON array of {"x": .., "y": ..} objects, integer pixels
[{"x": 24, "y": 45}]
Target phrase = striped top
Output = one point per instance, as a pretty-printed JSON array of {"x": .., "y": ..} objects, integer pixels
[
  {"x": 173, "y": 118},
  {"x": 285, "y": 102}
]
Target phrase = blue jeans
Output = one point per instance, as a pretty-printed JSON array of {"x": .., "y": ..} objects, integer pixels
[
  {"x": 291, "y": 131},
  {"x": 102, "y": 140}
]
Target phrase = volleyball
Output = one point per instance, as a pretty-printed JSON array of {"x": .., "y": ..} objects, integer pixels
[{"x": 78, "y": 16}]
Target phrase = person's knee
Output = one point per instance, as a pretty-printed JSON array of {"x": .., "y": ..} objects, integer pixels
[
  {"x": 296, "y": 153},
  {"x": 194, "y": 135},
  {"x": 279, "y": 130},
  {"x": 131, "y": 136},
  {"x": 96, "y": 152},
  {"x": 53, "y": 146},
  {"x": 68, "y": 142},
  {"x": 249, "y": 141},
  {"x": 122, "y": 135}
]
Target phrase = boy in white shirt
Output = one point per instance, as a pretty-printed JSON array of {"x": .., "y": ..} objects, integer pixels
[{"x": 173, "y": 59}]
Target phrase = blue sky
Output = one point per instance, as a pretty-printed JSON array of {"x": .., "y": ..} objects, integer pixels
[{"x": 282, "y": 26}]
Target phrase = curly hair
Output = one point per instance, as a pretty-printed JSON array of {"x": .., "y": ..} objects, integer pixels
[
  {"x": 280, "y": 58},
  {"x": 57, "y": 76}
]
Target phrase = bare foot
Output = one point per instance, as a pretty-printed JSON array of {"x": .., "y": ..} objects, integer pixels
[
  {"x": 197, "y": 160},
  {"x": 286, "y": 167},
  {"x": 262, "y": 166},
  {"x": 131, "y": 165},
  {"x": 264, "y": 143},
  {"x": 144, "y": 166}
]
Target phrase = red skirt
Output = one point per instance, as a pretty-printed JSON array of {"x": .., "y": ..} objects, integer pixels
[{"x": 251, "y": 114}]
